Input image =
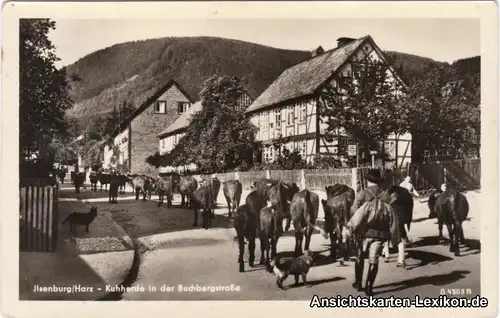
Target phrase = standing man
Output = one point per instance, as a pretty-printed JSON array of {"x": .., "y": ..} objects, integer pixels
[{"x": 373, "y": 222}]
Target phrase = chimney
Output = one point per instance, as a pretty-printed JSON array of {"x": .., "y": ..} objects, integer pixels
[
  {"x": 344, "y": 41},
  {"x": 317, "y": 51}
]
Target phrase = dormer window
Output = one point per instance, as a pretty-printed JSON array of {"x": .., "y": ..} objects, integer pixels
[
  {"x": 182, "y": 107},
  {"x": 161, "y": 107}
]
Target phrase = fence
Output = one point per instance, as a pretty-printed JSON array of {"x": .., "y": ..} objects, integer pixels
[
  {"x": 38, "y": 222},
  {"x": 461, "y": 174}
]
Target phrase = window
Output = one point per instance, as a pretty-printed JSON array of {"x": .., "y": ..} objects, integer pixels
[
  {"x": 265, "y": 120},
  {"x": 277, "y": 117},
  {"x": 291, "y": 115},
  {"x": 182, "y": 107},
  {"x": 161, "y": 107},
  {"x": 303, "y": 149},
  {"x": 302, "y": 113}
]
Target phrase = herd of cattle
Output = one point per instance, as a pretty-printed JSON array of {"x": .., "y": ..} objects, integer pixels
[{"x": 273, "y": 201}]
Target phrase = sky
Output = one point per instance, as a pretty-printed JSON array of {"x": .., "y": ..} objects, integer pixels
[{"x": 444, "y": 40}]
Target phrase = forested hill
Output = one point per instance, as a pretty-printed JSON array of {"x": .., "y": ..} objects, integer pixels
[{"x": 133, "y": 71}]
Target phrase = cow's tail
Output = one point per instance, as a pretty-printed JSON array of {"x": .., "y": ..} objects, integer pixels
[{"x": 307, "y": 199}]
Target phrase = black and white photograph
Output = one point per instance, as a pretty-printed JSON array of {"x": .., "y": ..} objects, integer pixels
[{"x": 299, "y": 159}]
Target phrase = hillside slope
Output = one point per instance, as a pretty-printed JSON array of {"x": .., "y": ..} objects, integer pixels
[{"x": 134, "y": 71}]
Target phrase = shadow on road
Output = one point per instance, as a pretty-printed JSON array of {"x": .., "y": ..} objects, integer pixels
[
  {"x": 426, "y": 258},
  {"x": 473, "y": 246},
  {"x": 434, "y": 280},
  {"x": 315, "y": 282}
]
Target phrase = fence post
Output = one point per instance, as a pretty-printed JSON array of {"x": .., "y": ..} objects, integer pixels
[
  {"x": 236, "y": 175},
  {"x": 354, "y": 178},
  {"x": 302, "y": 179},
  {"x": 268, "y": 174}
]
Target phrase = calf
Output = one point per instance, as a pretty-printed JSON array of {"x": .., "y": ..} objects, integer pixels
[
  {"x": 232, "y": 190},
  {"x": 336, "y": 210},
  {"x": 452, "y": 208},
  {"x": 202, "y": 199},
  {"x": 165, "y": 187},
  {"x": 187, "y": 186},
  {"x": 304, "y": 212},
  {"x": 246, "y": 226}
]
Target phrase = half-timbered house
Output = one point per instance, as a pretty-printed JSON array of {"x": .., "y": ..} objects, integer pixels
[{"x": 287, "y": 109}]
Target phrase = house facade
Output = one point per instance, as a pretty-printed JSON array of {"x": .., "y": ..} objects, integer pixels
[
  {"x": 169, "y": 138},
  {"x": 136, "y": 135},
  {"x": 288, "y": 109}
]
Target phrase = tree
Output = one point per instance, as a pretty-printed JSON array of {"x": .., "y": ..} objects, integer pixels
[
  {"x": 44, "y": 89},
  {"x": 219, "y": 136},
  {"x": 365, "y": 105},
  {"x": 442, "y": 109},
  {"x": 114, "y": 117}
]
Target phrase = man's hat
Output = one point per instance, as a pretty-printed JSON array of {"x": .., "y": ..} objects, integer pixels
[{"x": 374, "y": 176}]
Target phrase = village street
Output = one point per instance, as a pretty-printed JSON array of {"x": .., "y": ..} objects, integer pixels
[{"x": 181, "y": 255}]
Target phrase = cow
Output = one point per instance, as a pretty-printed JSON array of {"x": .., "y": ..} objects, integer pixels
[
  {"x": 270, "y": 228},
  {"x": 187, "y": 186},
  {"x": 141, "y": 184},
  {"x": 214, "y": 184},
  {"x": 122, "y": 182},
  {"x": 202, "y": 199},
  {"x": 165, "y": 187},
  {"x": 304, "y": 212},
  {"x": 451, "y": 208},
  {"x": 79, "y": 179},
  {"x": 93, "y": 180},
  {"x": 61, "y": 174},
  {"x": 337, "y": 213},
  {"x": 341, "y": 189},
  {"x": 401, "y": 201},
  {"x": 113, "y": 188},
  {"x": 255, "y": 203},
  {"x": 151, "y": 185},
  {"x": 232, "y": 190},
  {"x": 104, "y": 179},
  {"x": 280, "y": 195},
  {"x": 246, "y": 225}
]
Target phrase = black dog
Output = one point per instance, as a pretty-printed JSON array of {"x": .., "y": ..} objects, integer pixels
[{"x": 297, "y": 266}]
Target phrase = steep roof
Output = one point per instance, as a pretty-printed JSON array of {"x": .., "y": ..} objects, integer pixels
[
  {"x": 148, "y": 103},
  {"x": 183, "y": 121},
  {"x": 304, "y": 78}
]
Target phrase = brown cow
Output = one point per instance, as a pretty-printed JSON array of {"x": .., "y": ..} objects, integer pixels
[
  {"x": 246, "y": 226},
  {"x": 232, "y": 190},
  {"x": 79, "y": 180},
  {"x": 452, "y": 208},
  {"x": 187, "y": 186},
  {"x": 255, "y": 203},
  {"x": 202, "y": 199},
  {"x": 337, "y": 213},
  {"x": 341, "y": 189},
  {"x": 270, "y": 228},
  {"x": 304, "y": 212}
]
